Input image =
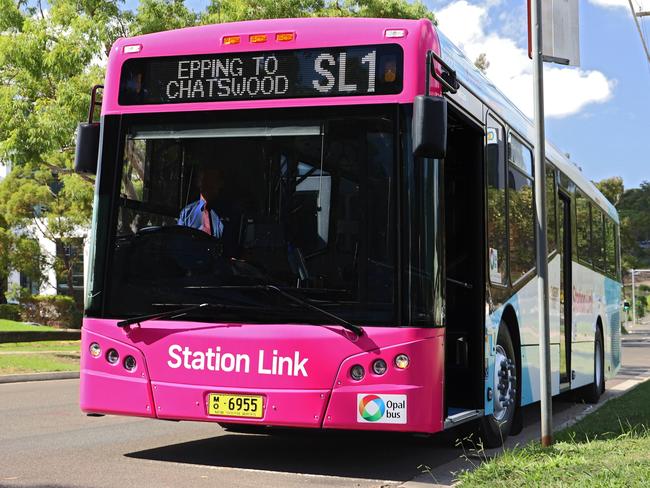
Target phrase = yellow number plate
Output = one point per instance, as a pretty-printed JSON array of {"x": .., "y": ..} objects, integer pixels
[{"x": 235, "y": 405}]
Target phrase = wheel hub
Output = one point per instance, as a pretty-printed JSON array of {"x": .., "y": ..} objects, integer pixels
[{"x": 505, "y": 380}]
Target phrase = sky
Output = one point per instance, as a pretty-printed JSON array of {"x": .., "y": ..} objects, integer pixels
[{"x": 599, "y": 112}]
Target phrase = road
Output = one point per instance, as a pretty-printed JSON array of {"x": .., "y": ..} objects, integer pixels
[{"x": 46, "y": 441}]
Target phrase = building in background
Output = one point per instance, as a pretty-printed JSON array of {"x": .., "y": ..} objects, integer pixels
[{"x": 55, "y": 280}]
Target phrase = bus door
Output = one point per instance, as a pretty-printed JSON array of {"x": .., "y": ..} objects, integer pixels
[{"x": 564, "y": 243}]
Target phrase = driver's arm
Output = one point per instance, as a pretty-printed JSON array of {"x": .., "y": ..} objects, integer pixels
[{"x": 185, "y": 216}]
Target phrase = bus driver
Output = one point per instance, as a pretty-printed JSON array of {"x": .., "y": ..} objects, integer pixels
[{"x": 201, "y": 214}]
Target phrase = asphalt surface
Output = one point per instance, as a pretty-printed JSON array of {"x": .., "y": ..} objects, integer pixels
[{"x": 45, "y": 441}]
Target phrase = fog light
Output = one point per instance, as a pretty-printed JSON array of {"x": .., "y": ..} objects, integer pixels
[
  {"x": 112, "y": 356},
  {"x": 129, "y": 363},
  {"x": 95, "y": 350},
  {"x": 402, "y": 361},
  {"x": 357, "y": 372},
  {"x": 392, "y": 33},
  {"x": 379, "y": 367},
  {"x": 133, "y": 48},
  {"x": 230, "y": 40}
]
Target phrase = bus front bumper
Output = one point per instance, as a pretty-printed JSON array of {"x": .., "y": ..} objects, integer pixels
[{"x": 408, "y": 400}]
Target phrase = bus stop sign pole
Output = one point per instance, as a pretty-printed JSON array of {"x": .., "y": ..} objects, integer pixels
[{"x": 540, "y": 215}]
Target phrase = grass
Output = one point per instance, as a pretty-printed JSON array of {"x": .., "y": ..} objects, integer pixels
[
  {"x": 13, "y": 326},
  {"x": 39, "y": 357},
  {"x": 609, "y": 448},
  {"x": 38, "y": 363}
]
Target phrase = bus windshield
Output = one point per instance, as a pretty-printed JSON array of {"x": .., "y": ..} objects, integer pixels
[{"x": 208, "y": 208}]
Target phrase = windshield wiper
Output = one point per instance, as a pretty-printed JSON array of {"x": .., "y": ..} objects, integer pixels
[
  {"x": 300, "y": 301},
  {"x": 179, "y": 312}
]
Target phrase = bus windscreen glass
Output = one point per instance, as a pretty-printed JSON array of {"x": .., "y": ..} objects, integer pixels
[
  {"x": 304, "y": 73},
  {"x": 304, "y": 204}
]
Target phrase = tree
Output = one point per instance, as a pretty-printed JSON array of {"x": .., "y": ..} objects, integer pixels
[
  {"x": 19, "y": 253},
  {"x": 612, "y": 188},
  {"x": 160, "y": 15},
  {"x": 634, "y": 210},
  {"x": 49, "y": 60},
  {"x": 229, "y": 11},
  {"x": 482, "y": 63}
]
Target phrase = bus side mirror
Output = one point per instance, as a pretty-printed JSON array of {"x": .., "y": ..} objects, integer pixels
[
  {"x": 429, "y": 127},
  {"x": 87, "y": 150}
]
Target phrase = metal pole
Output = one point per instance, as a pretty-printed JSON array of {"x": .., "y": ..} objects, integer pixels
[
  {"x": 633, "y": 299},
  {"x": 638, "y": 28},
  {"x": 540, "y": 213}
]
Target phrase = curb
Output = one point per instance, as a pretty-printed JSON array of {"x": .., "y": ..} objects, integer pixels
[
  {"x": 20, "y": 378},
  {"x": 35, "y": 335}
]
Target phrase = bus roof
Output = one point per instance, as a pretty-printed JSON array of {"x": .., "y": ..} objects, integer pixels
[
  {"x": 478, "y": 84},
  {"x": 309, "y": 33}
]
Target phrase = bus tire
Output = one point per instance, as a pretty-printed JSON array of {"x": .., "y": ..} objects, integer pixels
[
  {"x": 496, "y": 427},
  {"x": 593, "y": 391}
]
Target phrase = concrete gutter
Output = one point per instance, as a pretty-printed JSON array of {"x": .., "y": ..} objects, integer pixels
[{"x": 56, "y": 375}]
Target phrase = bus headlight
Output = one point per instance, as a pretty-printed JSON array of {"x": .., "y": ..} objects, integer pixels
[
  {"x": 357, "y": 372},
  {"x": 402, "y": 361},
  {"x": 379, "y": 367},
  {"x": 95, "y": 350},
  {"x": 129, "y": 363},
  {"x": 112, "y": 356}
]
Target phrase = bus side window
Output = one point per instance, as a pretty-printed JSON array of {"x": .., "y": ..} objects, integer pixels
[
  {"x": 134, "y": 169},
  {"x": 521, "y": 213},
  {"x": 496, "y": 202},
  {"x": 551, "y": 205},
  {"x": 610, "y": 247},
  {"x": 617, "y": 237},
  {"x": 597, "y": 238},
  {"x": 583, "y": 228}
]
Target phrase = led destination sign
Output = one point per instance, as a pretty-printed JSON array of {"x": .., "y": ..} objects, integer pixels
[{"x": 323, "y": 72}]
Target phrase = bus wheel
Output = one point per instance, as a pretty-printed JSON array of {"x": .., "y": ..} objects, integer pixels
[
  {"x": 593, "y": 391},
  {"x": 495, "y": 428}
]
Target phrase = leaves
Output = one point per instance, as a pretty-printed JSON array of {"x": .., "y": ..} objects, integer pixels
[
  {"x": 160, "y": 15},
  {"x": 633, "y": 206},
  {"x": 612, "y": 188},
  {"x": 238, "y": 10}
]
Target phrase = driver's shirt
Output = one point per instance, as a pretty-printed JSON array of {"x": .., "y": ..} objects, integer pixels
[{"x": 195, "y": 214}]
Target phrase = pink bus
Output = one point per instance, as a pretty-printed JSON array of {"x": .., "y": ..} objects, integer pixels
[{"x": 327, "y": 224}]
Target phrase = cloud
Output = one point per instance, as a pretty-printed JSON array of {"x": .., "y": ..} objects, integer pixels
[
  {"x": 611, "y": 3},
  {"x": 624, "y": 4},
  {"x": 566, "y": 90}
]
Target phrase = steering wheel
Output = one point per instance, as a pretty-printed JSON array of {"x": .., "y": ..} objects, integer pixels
[{"x": 176, "y": 229}]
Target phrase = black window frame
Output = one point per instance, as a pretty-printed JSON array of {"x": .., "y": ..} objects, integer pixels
[{"x": 109, "y": 181}]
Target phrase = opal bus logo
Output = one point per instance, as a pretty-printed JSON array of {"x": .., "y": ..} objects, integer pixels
[
  {"x": 372, "y": 408},
  {"x": 381, "y": 409}
]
